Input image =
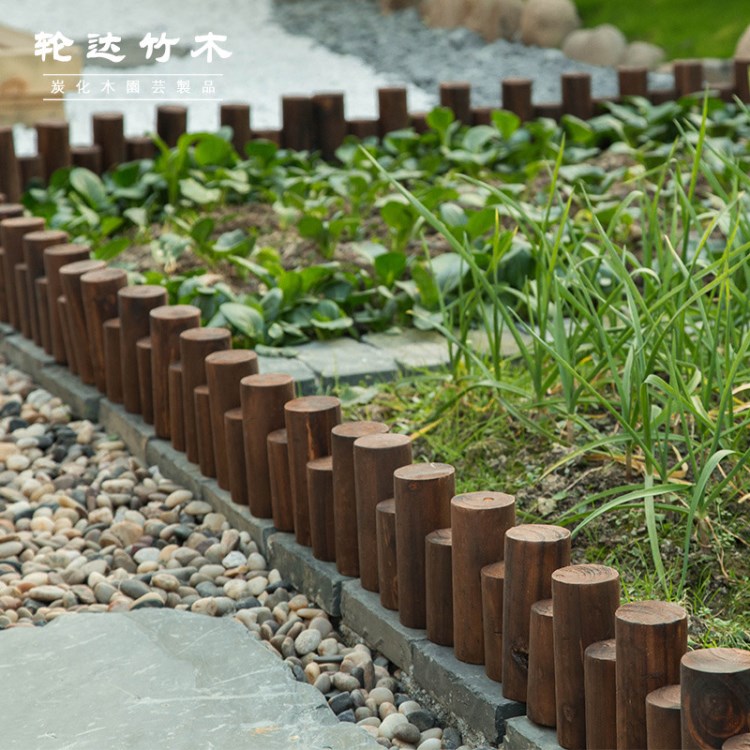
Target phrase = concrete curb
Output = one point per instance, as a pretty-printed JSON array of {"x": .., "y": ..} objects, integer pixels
[{"x": 461, "y": 689}]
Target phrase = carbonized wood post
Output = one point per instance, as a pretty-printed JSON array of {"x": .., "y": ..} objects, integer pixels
[
  {"x": 418, "y": 122},
  {"x": 343, "y": 437},
  {"x": 456, "y": 95},
  {"x": 171, "y": 123},
  {"x": 479, "y": 521},
  {"x": 134, "y": 304},
  {"x": 362, "y": 128},
  {"x": 516, "y": 97},
  {"x": 541, "y": 691},
  {"x": 12, "y": 232},
  {"x": 482, "y": 115},
  {"x": 143, "y": 351},
  {"x": 586, "y": 598},
  {"x": 202, "y": 410},
  {"x": 742, "y": 79},
  {"x": 330, "y": 123},
  {"x": 87, "y": 157},
  {"x": 715, "y": 696},
  {"x": 224, "y": 371},
  {"x": 54, "y": 259},
  {"x": 532, "y": 553},
  {"x": 599, "y": 661},
  {"x": 663, "y": 719},
  {"x": 551, "y": 110},
  {"x": 100, "y": 302},
  {"x": 167, "y": 323},
  {"x": 576, "y": 95},
  {"x": 139, "y": 147},
  {"x": 297, "y": 123},
  {"x": 68, "y": 348},
  {"x": 42, "y": 306},
  {"x": 7, "y": 211},
  {"x": 237, "y": 117},
  {"x": 688, "y": 77},
  {"x": 493, "y": 585},
  {"x": 376, "y": 457},
  {"x": 195, "y": 345},
  {"x": 651, "y": 637},
  {"x": 10, "y": 176},
  {"x": 274, "y": 136},
  {"x": 34, "y": 245},
  {"x": 112, "y": 360},
  {"x": 262, "y": 398},
  {"x": 309, "y": 421},
  {"x": 385, "y": 524},
  {"x": 393, "y": 113},
  {"x": 31, "y": 170},
  {"x": 423, "y": 495},
  {"x": 176, "y": 406},
  {"x": 53, "y": 145},
  {"x": 109, "y": 134},
  {"x": 21, "y": 283},
  {"x": 238, "y": 481},
  {"x": 439, "y": 587},
  {"x": 70, "y": 276},
  {"x": 632, "y": 81},
  {"x": 320, "y": 490},
  {"x": 279, "y": 481}
]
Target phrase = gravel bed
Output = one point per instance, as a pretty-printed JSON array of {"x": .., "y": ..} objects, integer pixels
[{"x": 84, "y": 527}]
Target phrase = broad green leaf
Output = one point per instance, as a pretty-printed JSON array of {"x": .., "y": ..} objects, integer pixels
[
  {"x": 89, "y": 186},
  {"x": 245, "y": 319},
  {"x": 389, "y": 267},
  {"x": 194, "y": 191}
]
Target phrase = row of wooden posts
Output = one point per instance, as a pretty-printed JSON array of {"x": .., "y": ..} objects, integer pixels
[
  {"x": 318, "y": 122},
  {"x": 503, "y": 595}
]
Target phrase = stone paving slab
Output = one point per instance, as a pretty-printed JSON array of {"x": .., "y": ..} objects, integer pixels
[
  {"x": 159, "y": 678},
  {"x": 346, "y": 361},
  {"x": 412, "y": 350},
  {"x": 304, "y": 377},
  {"x": 522, "y": 734}
]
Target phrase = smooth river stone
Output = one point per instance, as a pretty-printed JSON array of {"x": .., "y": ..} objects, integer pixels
[{"x": 46, "y": 593}]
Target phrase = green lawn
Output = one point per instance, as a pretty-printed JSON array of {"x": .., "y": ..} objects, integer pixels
[{"x": 698, "y": 29}]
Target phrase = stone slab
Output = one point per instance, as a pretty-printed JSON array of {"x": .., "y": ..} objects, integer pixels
[
  {"x": 362, "y": 613},
  {"x": 25, "y": 354},
  {"x": 319, "y": 580},
  {"x": 174, "y": 465},
  {"x": 463, "y": 689},
  {"x": 162, "y": 678},
  {"x": 130, "y": 427},
  {"x": 346, "y": 361},
  {"x": 412, "y": 350},
  {"x": 304, "y": 377},
  {"x": 238, "y": 516},
  {"x": 523, "y": 734}
]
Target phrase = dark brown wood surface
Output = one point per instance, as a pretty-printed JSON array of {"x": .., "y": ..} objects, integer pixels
[
  {"x": 456, "y": 95},
  {"x": 663, "y": 730},
  {"x": 599, "y": 666},
  {"x": 12, "y": 232},
  {"x": 516, "y": 97},
  {"x": 53, "y": 145},
  {"x": 540, "y": 707},
  {"x": 385, "y": 524},
  {"x": 21, "y": 285},
  {"x": 10, "y": 183},
  {"x": 493, "y": 585},
  {"x": 235, "y": 441},
  {"x": 393, "y": 113},
  {"x": 439, "y": 587},
  {"x": 176, "y": 406},
  {"x": 109, "y": 134},
  {"x": 320, "y": 492},
  {"x": 202, "y": 411},
  {"x": 112, "y": 360},
  {"x": 297, "y": 123},
  {"x": 237, "y": 117},
  {"x": 146, "y": 392},
  {"x": 171, "y": 123},
  {"x": 282, "y": 504}
]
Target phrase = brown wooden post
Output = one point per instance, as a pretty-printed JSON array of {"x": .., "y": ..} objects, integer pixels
[
  {"x": 112, "y": 360},
  {"x": 31, "y": 170},
  {"x": 632, "y": 81},
  {"x": 167, "y": 323},
  {"x": 393, "y": 113},
  {"x": 576, "y": 95},
  {"x": 195, "y": 345},
  {"x": 330, "y": 123},
  {"x": 109, "y": 134},
  {"x": 235, "y": 440},
  {"x": 738, "y": 742},
  {"x": 70, "y": 277},
  {"x": 742, "y": 79},
  {"x": 171, "y": 123},
  {"x": 362, "y": 128},
  {"x": 423, "y": 495},
  {"x": 479, "y": 521},
  {"x": 54, "y": 259},
  {"x": 176, "y": 406},
  {"x": 482, "y": 115},
  {"x": 601, "y": 695},
  {"x": 7, "y": 211},
  {"x": 237, "y": 117},
  {"x": 663, "y": 719},
  {"x": 320, "y": 492},
  {"x": 532, "y": 553},
  {"x": 34, "y": 245},
  {"x": 134, "y": 305},
  {"x": 516, "y": 97},
  {"x": 309, "y": 421},
  {"x": 202, "y": 409},
  {"x": 376, "y": 457},
  {"x": 279, "y": 480},
  {"x": 439, "y": 587},
  {"x": 715, "y": 696},
  {"x": 53, "y": 145},
  {"x": 139, "y": 147},
  {"x": 651, "y": 637},
  {"x": 456, "y": 96},
  {"x": 87, "y": 157},
  {"x": 42, "y": 305},
  {"x": 69, "y": 352},
  {"x": 21, "y": 284},
  {"x": 688, "y": 77},
  {"x": 541, "y": 691},
  {"x": 585, "y": 598},
  {"x": 224, "y": 370},
  {"x": 343, "y": 437},
  {"x": 551, "y": 110},
  {"x": 100, "y": 302},
  {"x": 493, "y": 585},
  {"x": 143, "y": 350},
  {"x": 274, "y": 136},
  {"x": 11, "y": 211},
  {"x": 418, "y": 122},
  {"x": 385, "y": 524},
  {"x": 262, "y": 398},
  {"x": 10, "y": 177},
  {"x": 12, "y": 232},
  {"x": 297, "y": 123}
]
